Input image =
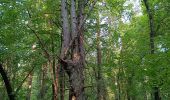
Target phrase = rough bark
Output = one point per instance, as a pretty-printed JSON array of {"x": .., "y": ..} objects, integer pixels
[
  {"x": 76, "y": 76},
  {"x": 62, "y": 83},
  {"x": 64, "y": 44},
  {"x": 65, "y": 29},
  {"x": 7, "y": 83},
  {"x": 152, "y": 33},
  {"x": 73, "y": 64}
]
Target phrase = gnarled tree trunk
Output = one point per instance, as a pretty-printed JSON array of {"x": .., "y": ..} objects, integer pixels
[{"x": 72, "y": 41}]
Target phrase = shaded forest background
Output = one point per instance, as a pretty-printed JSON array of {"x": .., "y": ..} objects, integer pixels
[{"x": 116, "y": 50}]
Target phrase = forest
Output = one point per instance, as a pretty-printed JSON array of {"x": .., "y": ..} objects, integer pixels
[{"x": 84, "y": 49}]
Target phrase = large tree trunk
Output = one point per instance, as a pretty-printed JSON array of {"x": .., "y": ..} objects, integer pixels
[
  {"x": 76, "y": 83},
  {"x": 152, "y": 33},
  {"x": 76, "y": 71},
  {"x": 64, "y": 44},
  {"x": 7, "y": 83},
  {"x": 72, "y": 42}
]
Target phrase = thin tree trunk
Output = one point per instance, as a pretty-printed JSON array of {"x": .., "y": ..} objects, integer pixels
[
  {"x": 28, "y": 96},
  {"x": 119, "y": 85},
  {"x": 101, "y": 89},
  {"x": 43, "y": 78},
  {"x": 7, "y": 83},
  {"x": 152, "y": 33},
  {"x": 55, "y": 69}
]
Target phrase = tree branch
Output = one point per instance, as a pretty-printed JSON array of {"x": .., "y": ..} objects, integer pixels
[
  {"x": 41, "y": 43},
  {"x": 7, "y": 83},
  {"x": 19, "y": 87}
]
